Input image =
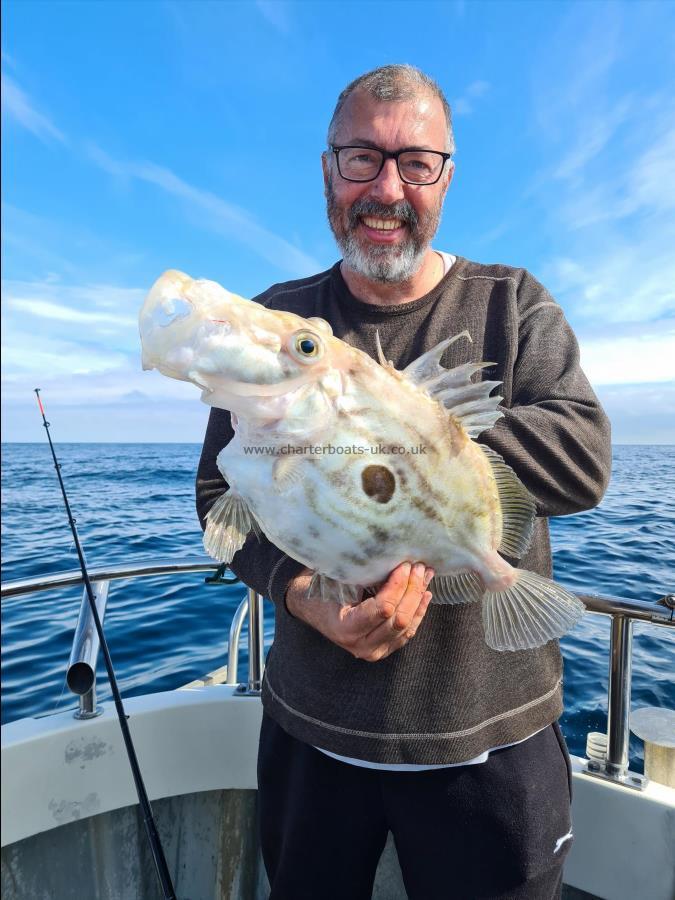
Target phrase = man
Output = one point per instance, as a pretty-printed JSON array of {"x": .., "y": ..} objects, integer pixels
[{"x": 393, "y": 714}]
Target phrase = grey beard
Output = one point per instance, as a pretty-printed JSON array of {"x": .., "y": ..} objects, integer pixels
[{"x": 388, "y": 265}]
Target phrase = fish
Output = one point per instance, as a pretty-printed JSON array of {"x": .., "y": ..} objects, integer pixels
[{"x": 351, "y": 466}]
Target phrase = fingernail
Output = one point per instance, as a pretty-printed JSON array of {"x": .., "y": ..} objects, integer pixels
[
  {"x": 407, "y": 567},
  {"x": 419, "y": 569},
  {"x": 428, "y": 575}
]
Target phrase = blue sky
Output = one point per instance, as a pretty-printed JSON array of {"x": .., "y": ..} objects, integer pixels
[{"x": 141, "y": 136}]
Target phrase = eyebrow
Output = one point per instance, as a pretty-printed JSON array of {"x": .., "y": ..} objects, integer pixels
[{"x": 365, "y": 142}]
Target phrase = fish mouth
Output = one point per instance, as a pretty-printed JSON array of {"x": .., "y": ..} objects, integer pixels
[{"x": 253, "y": 389}]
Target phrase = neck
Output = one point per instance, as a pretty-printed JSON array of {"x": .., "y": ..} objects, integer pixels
[{"x": 393, "y": 294}]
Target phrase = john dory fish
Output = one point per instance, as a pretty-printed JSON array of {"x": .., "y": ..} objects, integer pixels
[{"x": 323, "y": 458}]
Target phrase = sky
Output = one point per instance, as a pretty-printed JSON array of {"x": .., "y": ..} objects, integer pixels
[{"x": 141, "y": 136}]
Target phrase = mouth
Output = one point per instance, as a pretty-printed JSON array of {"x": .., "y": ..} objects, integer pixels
[{"x": 382, "y": 230}]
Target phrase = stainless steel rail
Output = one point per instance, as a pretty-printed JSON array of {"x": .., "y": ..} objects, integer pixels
[
  {"x": 622, "y": 614},
  {"x": 109, "y": 573},
  {"x": 233, "y": 642},
  {"x": 83, "y": 657}
]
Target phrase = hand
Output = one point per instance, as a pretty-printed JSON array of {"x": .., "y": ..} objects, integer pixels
[{"x": 375, "y": 627}]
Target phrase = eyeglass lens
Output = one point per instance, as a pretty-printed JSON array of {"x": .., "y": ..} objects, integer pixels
[{"x": 414, "y": 166}]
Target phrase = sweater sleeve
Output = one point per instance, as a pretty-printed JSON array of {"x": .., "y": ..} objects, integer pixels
[
  {"x": 555, "y": 435},
  {"x": 259, "y": 564}
]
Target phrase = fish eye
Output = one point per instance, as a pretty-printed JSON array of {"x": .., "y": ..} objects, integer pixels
[{"x": 306, "y": 347}]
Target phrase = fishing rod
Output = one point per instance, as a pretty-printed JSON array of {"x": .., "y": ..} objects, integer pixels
[{"x": 150, "y": 827}]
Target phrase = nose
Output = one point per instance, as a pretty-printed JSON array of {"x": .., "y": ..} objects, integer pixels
[{"x": 387, "y": 187}]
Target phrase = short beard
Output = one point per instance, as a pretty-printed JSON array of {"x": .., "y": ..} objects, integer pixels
[{"x": 381, "y": 262}]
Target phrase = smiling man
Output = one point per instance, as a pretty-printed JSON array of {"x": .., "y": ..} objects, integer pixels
[
  {"x": 385, "y": 207},
  {"x": 393, "y": 715}
]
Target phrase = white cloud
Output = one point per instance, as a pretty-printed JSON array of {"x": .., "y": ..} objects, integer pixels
[
  {"x": 464, "y": 105},
  {"x": 617, "y": 280},
  {"x": 214, "y": 213},
  {"x": 607, "y": 194},
  {"x": 74, "y": 304},
  {"x": 41, "y": 358},
  {"x": 18, "y": 106},
  {"x": 630, "y": 359},
  {"x": 56, "y": 330},
  {"x": 592, "y": 140},
  {"x": 47, "y": 310}
]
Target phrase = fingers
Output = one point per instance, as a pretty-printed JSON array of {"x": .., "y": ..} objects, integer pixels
[
  {"x": 409, "y": 598},
  {"x": 410, "y": 632},
  {"x": 405, "y": 599}
]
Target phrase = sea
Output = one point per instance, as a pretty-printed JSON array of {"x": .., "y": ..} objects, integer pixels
[{"x": 135, "y": 502}]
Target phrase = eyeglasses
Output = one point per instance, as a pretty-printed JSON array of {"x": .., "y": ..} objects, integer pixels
[{"x": 366, "y": 163}]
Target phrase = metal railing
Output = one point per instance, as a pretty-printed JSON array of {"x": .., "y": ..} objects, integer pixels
[{"x": 81, "y": 675}]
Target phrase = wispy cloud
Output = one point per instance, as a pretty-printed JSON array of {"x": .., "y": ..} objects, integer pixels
[
  {"x": 43, "y": 309},
  {"x": 75, "y": 303},
  {"x": 43, "y": 357},
  {"x": 277, "y": 13},
  {"x": 55, "y": 329},
  {"x": 608, "y": 195},
  {"x": 621, "y": 281},
  {"x": 464, "y": 105},
  {"x": 18, "y": 106},
  {"x": 593, "y": 140},
  {"x": 214, "y": 213}
]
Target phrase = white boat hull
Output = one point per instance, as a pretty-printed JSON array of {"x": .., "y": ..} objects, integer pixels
[{"x": 71, "y": 826}]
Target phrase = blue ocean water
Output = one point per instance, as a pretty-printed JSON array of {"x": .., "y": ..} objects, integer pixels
[{"x": 136, "y": 502}]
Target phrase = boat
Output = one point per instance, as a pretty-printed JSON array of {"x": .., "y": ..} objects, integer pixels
[{"x": 71, "y": 824}]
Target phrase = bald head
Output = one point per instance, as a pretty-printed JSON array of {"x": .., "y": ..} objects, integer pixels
[{"x": 393, "y": 84}]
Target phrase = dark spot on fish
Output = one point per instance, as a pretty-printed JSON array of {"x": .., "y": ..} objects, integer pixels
[
  {"x": 425, "y": 508},
  {"x": 371, "y": 549},
  {"x": 354, "y": 559},
  {"x": 313, "y": 531},
  {"x": 340, "y": 574},
  {"x": 379, "y": 483},
  {"x": 402, "y": 477},
  {"x": 378, "y": 533}
]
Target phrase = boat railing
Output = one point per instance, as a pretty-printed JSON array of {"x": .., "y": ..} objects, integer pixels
[{"x": 81, "y": 674}]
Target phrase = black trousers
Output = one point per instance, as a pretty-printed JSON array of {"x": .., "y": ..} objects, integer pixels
[{"x": 491, "y": 830}]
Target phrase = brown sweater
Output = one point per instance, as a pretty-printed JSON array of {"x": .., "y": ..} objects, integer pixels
[{"x": 446, "y": 696}]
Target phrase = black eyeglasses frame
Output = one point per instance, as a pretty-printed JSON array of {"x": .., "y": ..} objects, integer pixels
[{"x": 387, "y": 154}]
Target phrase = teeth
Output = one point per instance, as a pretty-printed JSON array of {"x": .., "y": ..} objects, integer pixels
[{"x": 382, "y": 224}]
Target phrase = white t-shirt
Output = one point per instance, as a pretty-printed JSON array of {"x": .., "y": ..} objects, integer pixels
[{"x": 413, "y": 767}]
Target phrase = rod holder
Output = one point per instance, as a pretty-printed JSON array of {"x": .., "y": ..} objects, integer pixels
[{"x": 81, "y": 674}]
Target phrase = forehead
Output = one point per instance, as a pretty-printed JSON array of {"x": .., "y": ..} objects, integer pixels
[{"x": 418, "y": 122}]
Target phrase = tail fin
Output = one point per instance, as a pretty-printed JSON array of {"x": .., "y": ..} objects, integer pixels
[{"x": 530, "y": 613}]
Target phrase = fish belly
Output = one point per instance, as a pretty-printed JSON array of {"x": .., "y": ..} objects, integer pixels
[{"x": 324, "y": 513}]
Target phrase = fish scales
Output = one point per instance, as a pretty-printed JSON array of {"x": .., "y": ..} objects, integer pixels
[{"x": 351, "y": 466}]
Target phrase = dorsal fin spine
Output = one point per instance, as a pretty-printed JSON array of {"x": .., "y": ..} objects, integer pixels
[{"x": 467, "y": 401}]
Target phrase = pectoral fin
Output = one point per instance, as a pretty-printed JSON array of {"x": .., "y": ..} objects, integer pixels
[
  {"x": 228, "y": 522},
  {"x": 321, "y": 587},
  {"x": 286, "y": 471}
]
